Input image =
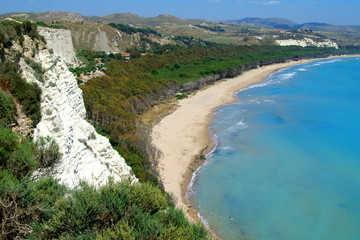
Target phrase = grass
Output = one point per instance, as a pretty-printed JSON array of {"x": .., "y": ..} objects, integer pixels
[{"x": 225, "y": 40}]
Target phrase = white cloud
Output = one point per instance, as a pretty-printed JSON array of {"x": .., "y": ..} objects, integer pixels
[
  {"x": 265, "y": 3},
  {"x": 271, "y": 2}
]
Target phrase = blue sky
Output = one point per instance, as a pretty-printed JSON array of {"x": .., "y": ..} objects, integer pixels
[{"x": 340, "y": 12}]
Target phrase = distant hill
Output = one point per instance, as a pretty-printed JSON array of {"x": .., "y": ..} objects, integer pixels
[
  {"x": 133, "y": 19},
  {"x": 43, "y": 16},
  {"x": 91, "y": 30},
  {"x": 166, "y": 20},
  {"x": 263, "y": 22},
  {"x": 282, "y": 23}
]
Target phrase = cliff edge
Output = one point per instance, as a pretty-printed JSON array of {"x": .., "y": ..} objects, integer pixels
[{"x": 86, "y": 155}]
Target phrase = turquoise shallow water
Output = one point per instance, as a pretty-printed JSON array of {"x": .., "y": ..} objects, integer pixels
[{"x": 287, "y": 161}]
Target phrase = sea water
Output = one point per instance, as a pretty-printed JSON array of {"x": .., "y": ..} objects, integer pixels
[{"x": 287, "y": 160}]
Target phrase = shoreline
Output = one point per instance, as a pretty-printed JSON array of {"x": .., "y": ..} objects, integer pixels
[{"x": 183, "y": 136}]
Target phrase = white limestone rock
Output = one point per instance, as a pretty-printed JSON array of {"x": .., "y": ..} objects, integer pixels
[
  {"x": 86, "y": 155},
  {"x": 307, "y": 42},
  {"x": 60, "y": 41}
]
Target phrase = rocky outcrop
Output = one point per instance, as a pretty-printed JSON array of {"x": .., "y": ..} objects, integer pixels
[
  {"x": 101, "y": 37},
  {"x": 60, "y": 41},
  {"x": 307, "y": 42},
  {"x": 86, "y": 155}
]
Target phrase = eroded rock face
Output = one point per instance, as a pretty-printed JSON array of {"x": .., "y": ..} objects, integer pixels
[
  {"x": 60, "y": 41},
  {"x": 306, "y": 42},
  {"x": 86, "y": 155}
]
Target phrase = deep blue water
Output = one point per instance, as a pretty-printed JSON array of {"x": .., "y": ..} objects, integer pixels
[{"x": 287, "y": 161}]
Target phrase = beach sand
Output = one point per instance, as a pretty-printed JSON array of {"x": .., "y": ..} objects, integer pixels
[{"x": 183, "y": 135}]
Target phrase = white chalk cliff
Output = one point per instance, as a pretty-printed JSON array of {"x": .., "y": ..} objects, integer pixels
[
  {"x": 86, "y": 155},
  {"x": 60, "y": 41},
  {"x": 307, "y": 42}
]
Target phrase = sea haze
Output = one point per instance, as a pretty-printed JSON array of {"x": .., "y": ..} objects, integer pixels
[{"x": 287, "y": 160}]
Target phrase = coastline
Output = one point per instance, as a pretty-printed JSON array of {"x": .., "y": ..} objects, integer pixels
[{"x": 183, "y": 136}]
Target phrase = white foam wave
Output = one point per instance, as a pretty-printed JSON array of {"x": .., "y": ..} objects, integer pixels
[
  {"x": 207, "y": 225},
  {"x": 326, "y": 62},
  {"x": 228, "y": 148},
  {"x": 286, "y": 76},
  {"x": 302, "y": 69},
  {"x": 242, "y": 124},
  {"x": 259, "y": 101},
  {"x": 254, "y": 101},
  {"x": 263, "y": 84},
  {"x": 190, "y": 191}
]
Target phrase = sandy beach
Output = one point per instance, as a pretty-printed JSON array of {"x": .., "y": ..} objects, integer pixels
[{"x": 183, "y": 135}]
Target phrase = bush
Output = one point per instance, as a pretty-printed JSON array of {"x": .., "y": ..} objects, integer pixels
[
  {"x": 7, "y": 109},
  {"x": 29, "y": 95},
  {"x": 47, "y": 152},
  {"x": 16, "y": 154},
  {"x": 39, "y": 71},
  {"x": 116, "y": 211},
  {"x": 20, "y": 156},
  {"x": 25, "y": 202},
  {"x": 11, "y": 30},
  {"x": 181, "y": 96},
  {"x": 184, "y": 75}
]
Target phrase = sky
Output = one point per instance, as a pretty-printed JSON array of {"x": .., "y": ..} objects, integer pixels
[{"x": 338, "y": 12}]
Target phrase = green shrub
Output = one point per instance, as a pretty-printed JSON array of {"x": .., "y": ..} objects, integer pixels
[
  {"x": 12, "y": 30},
  {"x": 39, "y": 71},
  {"x": 7, "y": 109},
  {"x": 47, "y": 152},
  {"x": 16, "y": 154},
  {"x": 29, "y": 95},
  {"x": 43, "y": 24},
  {"x": 20, "y": 156},
  {"x": 25, "y": 202},
  {"x": 181, "y": 96},
  {"x": 184, "y": 75},
  {"x": 44, "y": 209},
  {"x": 115, "y": 211}
]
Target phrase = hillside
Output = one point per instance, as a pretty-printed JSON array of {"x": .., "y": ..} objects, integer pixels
[
  {"x": 44, "y": 16},
  {"x": 55, "y": 183},
  {"x": 281, "y": 23},
  {"x": 243, "y": 31},
  {"x": 102, "y": 37},
  {"x": 133, "y": 19},
  {"x": 92, "y": 32}
]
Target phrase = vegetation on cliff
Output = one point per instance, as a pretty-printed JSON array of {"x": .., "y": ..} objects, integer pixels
[
  {"x": 44, "y": 209},
  {"x": 127, "y": 29},
  {"x": 28, "y": 95},
  {"x": 36, "y": 207}
]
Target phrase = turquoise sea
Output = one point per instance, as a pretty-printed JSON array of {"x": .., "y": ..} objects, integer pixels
[{"x": 286, "y": 165}]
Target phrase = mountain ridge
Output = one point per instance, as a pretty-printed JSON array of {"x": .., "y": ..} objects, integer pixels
[
  {"x": 94, "y": 32},
  {"x": 283, "y": 23},
  {"x": 131, "y": 17}
]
